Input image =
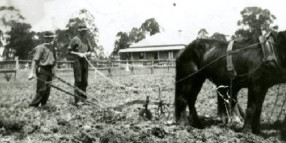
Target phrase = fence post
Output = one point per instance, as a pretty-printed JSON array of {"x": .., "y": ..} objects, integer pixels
[
  {"x": 16, "y": 66},
  {"x": 109, "y": 69},
  {"x": 152, "y": 67},
  {"x": 132, "y": 67}
]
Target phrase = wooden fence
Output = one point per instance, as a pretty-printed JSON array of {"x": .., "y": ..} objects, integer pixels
[
  {"x": 9, "y": 66},
  {"x": 104, "y": 64},
  {"x": 12, "y": 66}
]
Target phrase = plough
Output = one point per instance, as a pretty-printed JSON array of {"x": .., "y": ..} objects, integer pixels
[
  {"x": 160, "y": 111},
  {"x": 146, "y": 113}
]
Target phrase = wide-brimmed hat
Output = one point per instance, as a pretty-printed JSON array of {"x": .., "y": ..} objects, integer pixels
[
  {"x": 82, "y": 27},
  {"x": 49, "y": 34}
]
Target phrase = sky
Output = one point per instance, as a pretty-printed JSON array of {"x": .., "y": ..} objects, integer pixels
[{"x": 112, "y": 16}]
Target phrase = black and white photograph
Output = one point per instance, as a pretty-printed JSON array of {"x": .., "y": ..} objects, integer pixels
[{"x": 142, "y": 71}]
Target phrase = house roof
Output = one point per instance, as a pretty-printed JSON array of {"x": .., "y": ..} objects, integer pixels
[
  {"x": 163, "y": 38},
  {"x": 160, "y": 42},
  {"x": 154, "y": 48}
]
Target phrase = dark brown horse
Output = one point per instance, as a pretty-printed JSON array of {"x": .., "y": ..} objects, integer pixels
[{"x": 206, "y": 59}]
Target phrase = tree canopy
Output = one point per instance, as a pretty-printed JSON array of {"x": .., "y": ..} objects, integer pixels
[
  {"x": 64, "y": 36},
  {"x": 125, "y": 39},
  {"x": 16, "y": 34},
  {"x": 254, "y": 21},
  {"x": 20, "y": 40},
  {"x": 150, "y": 25},
  {"x": 136, "y": 35},
  {"x": 122, "y": 42}
]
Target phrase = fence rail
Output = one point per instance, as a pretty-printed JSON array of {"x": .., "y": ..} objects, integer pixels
[
  {"x": 109, "y": 65},
  {"x": 9, "y": 66}
]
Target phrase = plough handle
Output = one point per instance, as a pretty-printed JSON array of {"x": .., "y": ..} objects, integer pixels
[
  {"x": 62, "y": 90},
  {"x": 74, "y": 87}
]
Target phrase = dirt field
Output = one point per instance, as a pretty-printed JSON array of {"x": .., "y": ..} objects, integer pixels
[{"x": 61, "y": 121}]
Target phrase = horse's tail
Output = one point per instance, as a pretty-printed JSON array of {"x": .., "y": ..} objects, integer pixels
[
  {"x": 179, "y": 101},
  {"x": 177, "y": 93}
]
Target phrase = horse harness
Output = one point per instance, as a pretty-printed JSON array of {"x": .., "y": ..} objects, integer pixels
[
  {"x": 267, "y": 48},
  {"x": 266, "y": 42},
  {"x": 268, "y": 57},
  {"x": 229, "y": 64}
]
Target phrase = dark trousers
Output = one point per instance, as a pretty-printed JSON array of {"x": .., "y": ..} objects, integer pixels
[
  {"x": 81, "y": 77},
  {"x": 43, "y": 89}
]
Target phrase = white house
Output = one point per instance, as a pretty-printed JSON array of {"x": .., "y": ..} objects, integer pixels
[{"x": 164, "y": 45}]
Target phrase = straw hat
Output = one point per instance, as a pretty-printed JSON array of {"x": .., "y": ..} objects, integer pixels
[
  {"x": 82, "y": 27},
  {"x": 49, "y": 34}
]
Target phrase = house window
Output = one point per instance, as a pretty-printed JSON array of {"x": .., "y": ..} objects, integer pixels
[
  {"x": 141, "y": 56},
  {"x": 171, "y": 55},
  {"x": 155, "y": 56}
]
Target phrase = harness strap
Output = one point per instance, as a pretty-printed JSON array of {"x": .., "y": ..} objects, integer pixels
[
  {"x": 229, "y": 63},
  {"x": 267, "y": 49}
]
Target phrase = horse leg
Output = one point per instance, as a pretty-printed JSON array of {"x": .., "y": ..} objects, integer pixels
[
  {"x": 236, "y": 111},
  {"x": 221, "y": 105},
  {"x": 180, "y": 103},
  {"x": 257, "y": 112},
  {"x": 192, "y": 97},
  {"x": 256, "y": 95},
  {"x": 240, "y": 110},
  {"x": 223, "y": 108}
]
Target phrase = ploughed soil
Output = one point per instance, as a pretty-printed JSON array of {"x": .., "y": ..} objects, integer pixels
[{"x": 61, "y": 121}]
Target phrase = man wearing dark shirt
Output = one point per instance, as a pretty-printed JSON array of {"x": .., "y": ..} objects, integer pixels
[
  {"x": 80, "y": 48},
  {"x": 43, "y": 68}
]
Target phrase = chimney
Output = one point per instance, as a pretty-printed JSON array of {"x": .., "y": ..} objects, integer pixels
[{"x": 180, "y": 33}]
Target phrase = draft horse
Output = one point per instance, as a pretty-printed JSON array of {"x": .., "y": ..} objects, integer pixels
[{"x": 195, "y": 64}]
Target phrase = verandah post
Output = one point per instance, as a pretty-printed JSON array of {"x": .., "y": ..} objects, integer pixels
[
  {"x": 16, "y": 66},
  {"x": 152, "y": 67},
  {"x": 168, "y": 64}
]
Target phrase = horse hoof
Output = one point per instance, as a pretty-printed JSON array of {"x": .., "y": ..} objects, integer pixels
[
  {"x": 241, "y": 130},
  {"x": 256, "y": 131},
  {"x": 223, "y": 118},
  {"x": 244, "y": 130},
  {"x": 182, "y": 122},
  {"x": 224, "y": 121},
  {"x": 236, "y": 119},
  {"x": 198, "y": 126},
  {"x": 283, "y": 134}
]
